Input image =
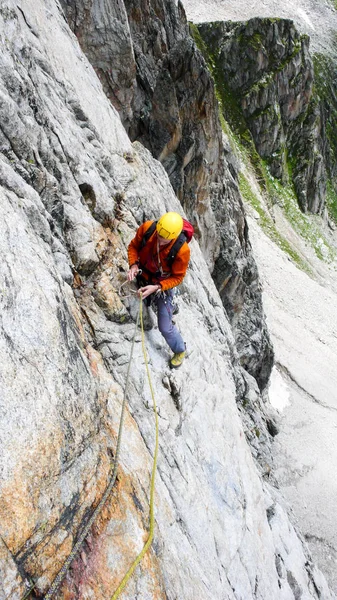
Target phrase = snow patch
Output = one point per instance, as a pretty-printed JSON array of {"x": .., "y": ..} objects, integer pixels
[{"x": 279, "y": 395}]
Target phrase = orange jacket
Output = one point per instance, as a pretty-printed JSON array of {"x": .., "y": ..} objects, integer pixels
[{"x": 148, "y": 257}]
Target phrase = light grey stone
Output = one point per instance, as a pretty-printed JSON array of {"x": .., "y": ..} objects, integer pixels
[{"x": 64, "y": 361}]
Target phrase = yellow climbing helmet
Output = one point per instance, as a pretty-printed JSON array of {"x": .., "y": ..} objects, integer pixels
[{"x": 170, "y": 225}]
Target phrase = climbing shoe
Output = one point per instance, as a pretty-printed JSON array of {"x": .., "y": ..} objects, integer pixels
[{"x": 177, "y": 360}]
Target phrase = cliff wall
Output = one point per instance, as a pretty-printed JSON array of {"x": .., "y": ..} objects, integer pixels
[
  {"x": 273, "y": 99},
  {"x": 73, "y": 189},
  {"x": 175, "y": 115}
]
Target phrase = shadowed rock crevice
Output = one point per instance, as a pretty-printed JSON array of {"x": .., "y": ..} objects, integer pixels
[{"x": 89, "y": 196}]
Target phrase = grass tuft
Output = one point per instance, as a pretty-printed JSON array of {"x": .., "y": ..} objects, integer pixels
[{"x": 268, "y": 225}]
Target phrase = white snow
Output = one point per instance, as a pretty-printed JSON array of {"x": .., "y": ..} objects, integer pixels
[{"x": 278, "y": 391}]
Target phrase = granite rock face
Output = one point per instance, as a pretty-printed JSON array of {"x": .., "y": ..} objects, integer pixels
[
  {"x": 173, "y": 102},
  {"x": 73, "y": 189},
  {"x": 266, "y": 67},
  {"x": 103, "y": 30},
  {"x": 175, "y": 115}
]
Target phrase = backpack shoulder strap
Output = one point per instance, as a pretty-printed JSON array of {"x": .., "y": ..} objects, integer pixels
[
  {"x": 148, "y": 233},
  {"x": 181, "y": 239}
]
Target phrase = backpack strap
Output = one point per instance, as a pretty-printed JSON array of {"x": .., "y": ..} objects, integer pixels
[
  {"x": 148, "y": 233},
  {"x": 181, "y": 239}
]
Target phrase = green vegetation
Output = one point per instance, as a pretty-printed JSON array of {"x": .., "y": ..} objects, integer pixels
[
  {"x": 326, "y": 88},
  {"x": 302, "y": 223},
  {"x": 230, "y": 114},
  {"x": 195, "y": 33},
  {"x": 235, "y": 127},
  {"x": 331, "y": 201},
  {"x": 229, "y": 102},
  {"x": 268, "y": 226}
]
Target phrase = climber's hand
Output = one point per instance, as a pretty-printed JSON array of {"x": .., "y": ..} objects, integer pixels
[
  {"x": 147, "y": 290},
  {"x": 133, "y": 272}
]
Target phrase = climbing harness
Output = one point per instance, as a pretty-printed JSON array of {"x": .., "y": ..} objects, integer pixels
[{"x": 65, "y": 568}]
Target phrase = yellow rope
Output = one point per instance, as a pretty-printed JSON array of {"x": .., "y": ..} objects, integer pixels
[
  {"x": 153, "y": 475},
  {"x": 62, "y": 573}
]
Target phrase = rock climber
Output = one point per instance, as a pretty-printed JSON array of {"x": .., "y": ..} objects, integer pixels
[{"x": 160, "y": 252}]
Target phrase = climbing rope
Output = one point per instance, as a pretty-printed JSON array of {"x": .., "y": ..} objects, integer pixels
[
  {"x": 153, "y": 475},
  {"x": 65, "y": 568}
]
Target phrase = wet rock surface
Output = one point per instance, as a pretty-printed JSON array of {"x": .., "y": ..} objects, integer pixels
[{"x": 73, "y": 189}]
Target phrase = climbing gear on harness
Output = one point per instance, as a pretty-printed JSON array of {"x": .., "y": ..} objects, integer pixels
[
  {"x": 153, "y": 474},
  {"x": 65, "y": 568},
  {"x": 169, "y": 225},
  {"x": 177, "y": 360},
  {"x": 185, "y": 236},
  {"x": 122, "y": 293}
]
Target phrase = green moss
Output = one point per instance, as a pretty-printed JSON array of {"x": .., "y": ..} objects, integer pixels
[
  {"x": 331, "y": 201},
  {"x": 195, "y": 33},
  {"x": 229, "y": 102},
  {"x": 268, "y": 225},
  {"x": 303, "y": 224},
  {"x": 254, "y": 40},
  {"x": 291, "y": 165},
  {"x": 325, "y": 88},
  {"x": 297, "y": 50}
]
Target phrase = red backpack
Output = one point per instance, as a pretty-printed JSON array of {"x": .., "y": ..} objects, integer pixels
[{"x": 185, "y": 236}]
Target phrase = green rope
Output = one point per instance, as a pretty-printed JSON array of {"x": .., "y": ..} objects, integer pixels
[
  {"x": 153, "y": 475},
  {"x": 28, "y": 593},
  {"x": 65, "y": 568}
]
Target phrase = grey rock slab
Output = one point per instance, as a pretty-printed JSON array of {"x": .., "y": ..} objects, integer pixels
[
  {"x": 175, "y": 115},
  {"x": 64, "y": 362},
  {"x": 70, "y": 67},
  {"x": 103, "y": 31},
  {"x": 12, "y": 584}
]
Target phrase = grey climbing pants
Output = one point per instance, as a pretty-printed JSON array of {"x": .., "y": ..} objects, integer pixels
[{"x": 169, "y": 331}]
